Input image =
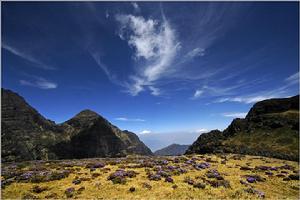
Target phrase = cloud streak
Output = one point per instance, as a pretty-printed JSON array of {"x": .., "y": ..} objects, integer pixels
[
  {"x": 26, "y": 56},
  {"x": 293, "y": 79},
  {"x": 246, "y": 99},
  {"x": 235, "y": 114},
  {"x": 282, "y": 91},
  {"x": 125, "y": 119},
  {"x": 40, "y": 83}
]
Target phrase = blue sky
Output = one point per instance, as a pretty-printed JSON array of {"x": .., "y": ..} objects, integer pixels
[{"x": 167, "y": 71}]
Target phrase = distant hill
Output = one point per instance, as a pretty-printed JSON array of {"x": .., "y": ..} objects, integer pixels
[
  {"x": 27, "y": 135},
  {"x": 172, "y": 150},
  {"x": 271, "y": 128}
]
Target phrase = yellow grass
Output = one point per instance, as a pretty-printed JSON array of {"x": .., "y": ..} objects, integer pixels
[{"x": 101, "y": 188}]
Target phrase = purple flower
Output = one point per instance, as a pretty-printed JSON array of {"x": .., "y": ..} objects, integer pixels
[
  {"x": 154, "y": 177},
  {"x": 269, "y": 173},
  {"x": 165, "y": 162},
  {"x": 27, "y": 175},
  {"x": 70, "y": 192},
  {"x": 273, "y": 168},
  {"x": 171, "y": 167},
  {"x": 251, "y": 179},
  {"x": 202, "y": 165},
  {"x": 260, "y": 194},
  {"x": 70, "y": 189},
  {"x": 189, "y": 162},
  {"x": 162, "y": 173},
  {"x": 76, "y": 182},
  {"x": 169, "y": 179},
  {"x": 182, "y": 170},
  {"x": 99, "y": 165}
]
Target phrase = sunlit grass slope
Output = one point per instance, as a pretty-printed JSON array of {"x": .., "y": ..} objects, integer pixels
[{"x": 181, "y": 177}]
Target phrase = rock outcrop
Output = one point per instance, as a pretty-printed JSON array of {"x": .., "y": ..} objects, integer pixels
[
  {"x": 27, "y": 135},
  {"x": 271, "y": 128}
]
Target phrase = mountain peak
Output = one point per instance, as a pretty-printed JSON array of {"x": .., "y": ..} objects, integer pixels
[
  {"x": 85, "y": 135},
  {"x": 87, "y": 113},
  {"x": 84, "y": 118}
]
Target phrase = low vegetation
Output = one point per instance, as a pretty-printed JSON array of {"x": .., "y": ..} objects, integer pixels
[{"x": 209, "y": 176}]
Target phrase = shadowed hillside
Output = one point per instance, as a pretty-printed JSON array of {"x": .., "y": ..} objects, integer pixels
[
  {"x": 27, "y": 135},
  {"x": 271, "y": 128}
]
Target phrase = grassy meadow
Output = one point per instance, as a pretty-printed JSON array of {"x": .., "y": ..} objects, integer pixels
[{"x": 175, "y": 177}]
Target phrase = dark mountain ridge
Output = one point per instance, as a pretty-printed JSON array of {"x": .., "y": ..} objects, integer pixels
[
  {"x": 271, "y": 128},
  {"x": 172, "y": 150},
  {"x": 27, "y": 135}
]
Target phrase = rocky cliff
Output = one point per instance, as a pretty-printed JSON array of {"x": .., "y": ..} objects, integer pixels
[
  {"x": 27, "y": 135},
  {"x": 271, "y": 128}
]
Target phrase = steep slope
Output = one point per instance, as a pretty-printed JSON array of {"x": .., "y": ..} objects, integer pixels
[
  {"x": 172, "y": 150},
  {"x": 271, "y": 128},
  {"x": 27, "y": 135},
  {"x": 134, "y": 144},
  {"x": 90, "y": 135}
]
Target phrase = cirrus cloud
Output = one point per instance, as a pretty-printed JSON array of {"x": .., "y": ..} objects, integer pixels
[
  {"x": 235, "y": 114},
  {"x": 39, "y": 82},
  {"x": 129, "y": 119},
  {"x": 155, "y": 45}
]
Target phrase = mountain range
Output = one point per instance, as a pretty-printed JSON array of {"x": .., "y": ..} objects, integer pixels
[
  {"x": 172, "y": 150},
  {"x": 271, "y": 128},
  {"x": 27, "y": 135}
]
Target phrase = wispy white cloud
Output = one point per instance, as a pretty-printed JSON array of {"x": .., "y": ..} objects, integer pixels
[
  {"x": 136, "y": 7},
  {"x": 201, "y": 130},
  {"x": 282, "y": 91},
  {"x": 145, "y": 132},
  {"x": 154, "y": 43},
  {"x": 155, "y": 91},
  {"x": 39, "y": 82},
  {"x": 97, "y": 57},
  {"x": 195, "y": 53},
  {"x": 129, "y": 119},
  {"x": 160, "y": 52},
  {"x": 246, "y": 99},
  {"x": 235, "y": 114},
  {"x": 214, "y": 91},
  {"x": 293, "y": 79},
  {"x": 26, "y": 56},
  {"x": 197, "y": 94}
]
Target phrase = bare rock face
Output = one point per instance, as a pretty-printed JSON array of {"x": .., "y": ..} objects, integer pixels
[
  {"x": 271, "y": 128},
  {"x": 27, "y": 135}
]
